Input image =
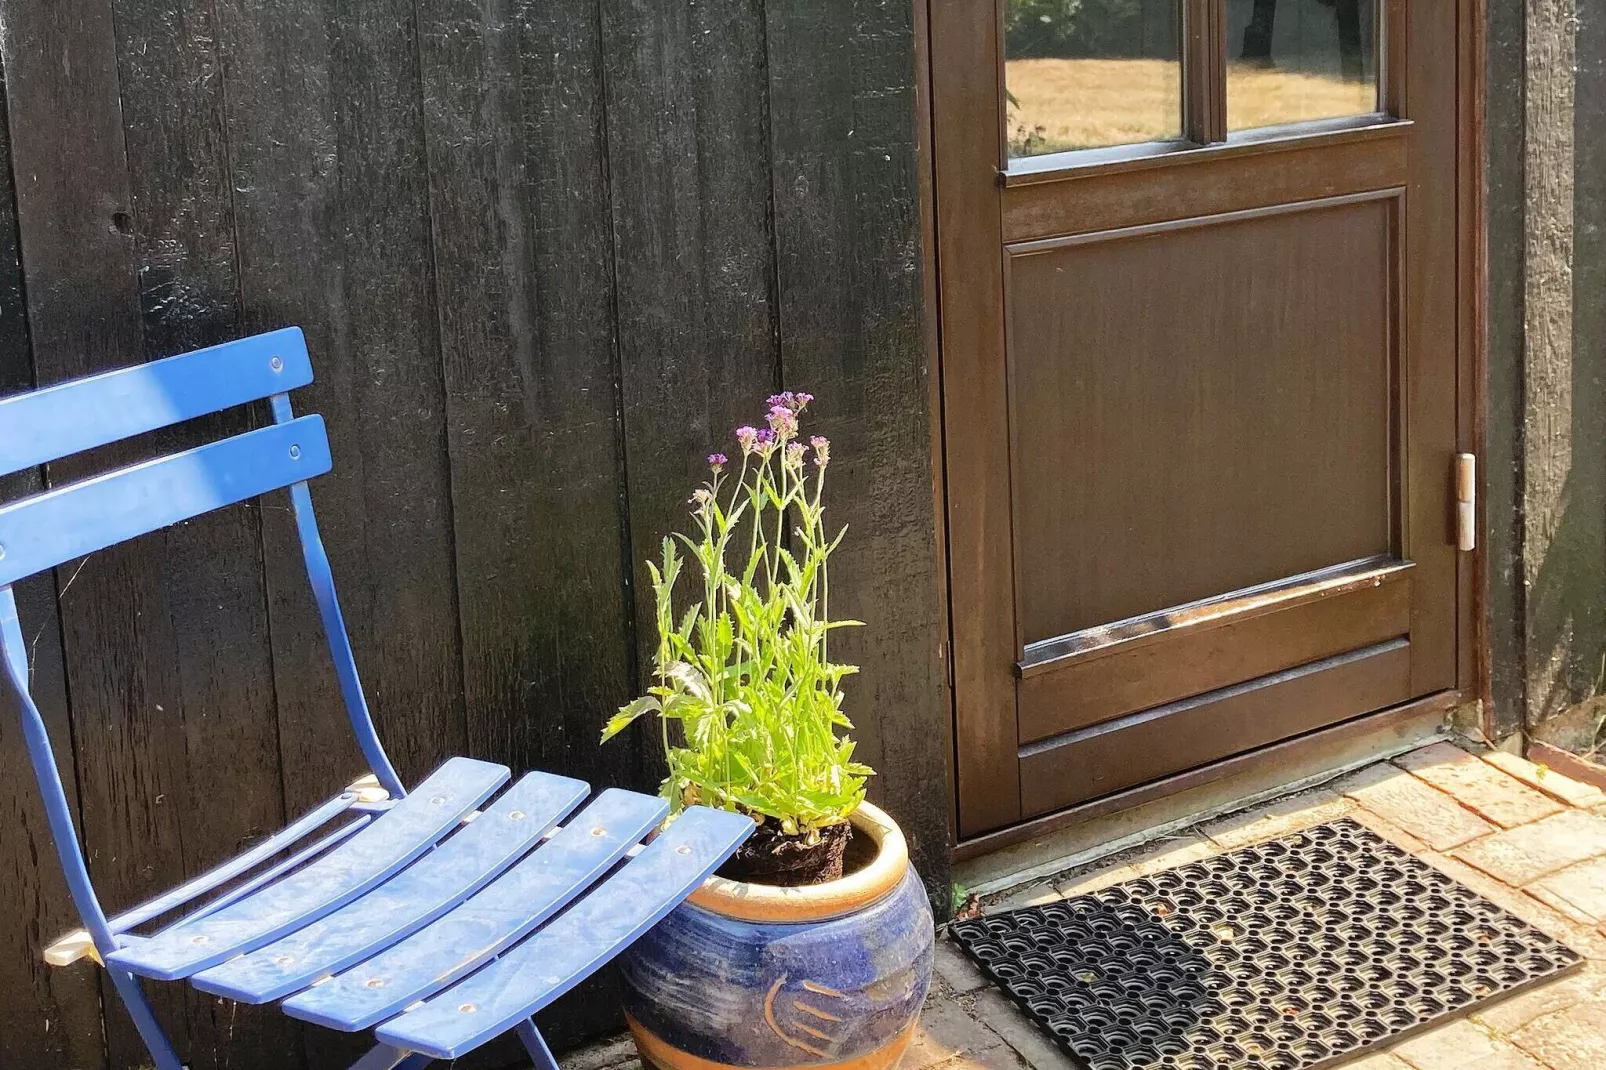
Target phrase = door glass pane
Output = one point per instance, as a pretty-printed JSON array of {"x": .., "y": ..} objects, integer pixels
[
  {"x": 1084, "y": 74},
  {"x": 1290, "y": 61}
]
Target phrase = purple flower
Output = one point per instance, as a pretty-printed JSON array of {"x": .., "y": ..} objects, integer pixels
[
  {"x": 794, "y": 453},
  {"x": 764, "y": 440},
  {"x": 783, "y": 421},
  {"x": 746, "y": 437},
  {"x": 717, "y": 461},
  {"x": 790, "y": 400},
  {"x": 822, "y": 450}
]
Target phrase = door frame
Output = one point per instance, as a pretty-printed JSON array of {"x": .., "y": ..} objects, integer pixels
[{"x": 961, "y": 485}]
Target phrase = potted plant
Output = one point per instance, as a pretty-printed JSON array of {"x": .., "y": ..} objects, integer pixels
[{"x": 812, "y": 945}]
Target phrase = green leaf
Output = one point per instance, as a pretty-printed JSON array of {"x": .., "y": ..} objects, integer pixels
[{"x": 627, "y": 714}]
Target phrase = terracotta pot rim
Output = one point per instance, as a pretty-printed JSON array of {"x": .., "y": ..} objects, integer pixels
[{"x": 817, "y": 902}]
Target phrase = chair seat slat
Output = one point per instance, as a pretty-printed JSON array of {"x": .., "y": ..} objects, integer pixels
[
  {"x": 286, "y": 837},
  {"x": 57, "y": 421},
  {"x": 372, "y": 856},
  {"x": 45, "y": 530},
  {"x": 572, "y": 947},
  {"x": 462, "y": 864},
  {"x": 476, "y": 931}
]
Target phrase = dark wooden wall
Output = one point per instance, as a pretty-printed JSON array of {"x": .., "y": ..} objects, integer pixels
[
  {"x": 1545, "y": 450},
  {"x": 546, "y": 253}
]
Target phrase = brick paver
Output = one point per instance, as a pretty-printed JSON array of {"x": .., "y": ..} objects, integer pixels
[{"x": 1479, "y": 786}]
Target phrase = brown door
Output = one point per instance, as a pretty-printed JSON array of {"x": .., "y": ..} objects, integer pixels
[{"x": 1200, "y": 290}]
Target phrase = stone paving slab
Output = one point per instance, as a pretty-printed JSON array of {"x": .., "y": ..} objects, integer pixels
[
  {"x": 1415, "y": 806},
  {"x": 1563, "y": 789},
  {"x": 1462, "y": 1045},
  {"x": 1573, "y": 1039},
  {"x": 1581, "y": 887},
  {"x": 1523, "y": 855},
  {"x": 1478, "y": 786}
]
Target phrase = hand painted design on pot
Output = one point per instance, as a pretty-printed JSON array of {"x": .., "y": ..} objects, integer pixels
[{"x": 828, "y": 975}]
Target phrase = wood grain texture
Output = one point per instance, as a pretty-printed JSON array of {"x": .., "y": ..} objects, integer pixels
[
  {"x": 1548, "y": 403},
  {"x": 1261, "y": 405},
  {"x": 49, "y": 1018},
  {"x": 693, "y": 245},
  {"x": 183, "y": 226},
  {"x": 1506, "y": 595},
  {"x": 848, "y": 250},
  {"x": 967, "y": 125},
  {"x": 1078, "y": 766},
  {"x": 518, "y": 194},
  {"x": 1180, "y": 660},
  {"x": 76, "y": 226}
]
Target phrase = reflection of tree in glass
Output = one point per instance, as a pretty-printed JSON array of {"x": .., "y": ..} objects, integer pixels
[
  {"x": 1074, "y": 27},
  {"x": 1347, "y": 14}
]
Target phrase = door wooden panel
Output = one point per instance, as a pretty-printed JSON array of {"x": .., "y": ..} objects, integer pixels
[
  {"x": 1200, "y": 411},
  {"x": 1198, "y": 407}
]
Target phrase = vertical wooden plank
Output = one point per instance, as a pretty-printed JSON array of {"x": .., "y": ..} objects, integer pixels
[
  {"x": 688, "y": 152},
  {"x": 523, "y": 254},
  {"x": 76, "y": 227},
  {"x": 967, "y": 136},
  {"x": 49, "y": 1018},
  {"x": 513, "y": 105},
  {"x": 325, "y": 126},
  {"x": 1561, "y": 528},
  {"x": 846, "y": 188},
  {"x": 1566, "y": 606},
  {"x": 1504, "y": 611},
  {"x": 172, "y": 93}
]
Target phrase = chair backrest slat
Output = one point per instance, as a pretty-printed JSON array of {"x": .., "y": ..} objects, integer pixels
[
  {"x": 58, "y": 421},
  {"x": 48, "y": 529}
]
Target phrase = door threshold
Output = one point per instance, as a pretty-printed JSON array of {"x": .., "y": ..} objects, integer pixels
[{"x": 1008, "y": 857}]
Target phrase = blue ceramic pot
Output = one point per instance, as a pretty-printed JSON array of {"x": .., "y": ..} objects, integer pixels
[{"x": 748, "y": 975}]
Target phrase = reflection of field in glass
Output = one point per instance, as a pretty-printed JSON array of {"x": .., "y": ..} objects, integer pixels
[{"x": 1084, "y": 103}]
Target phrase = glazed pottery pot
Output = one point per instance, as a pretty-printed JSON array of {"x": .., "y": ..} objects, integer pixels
[{"x": 750, "y": 975}]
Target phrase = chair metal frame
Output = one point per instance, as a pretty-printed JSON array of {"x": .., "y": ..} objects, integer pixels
[{"x": 46, "y": 530}]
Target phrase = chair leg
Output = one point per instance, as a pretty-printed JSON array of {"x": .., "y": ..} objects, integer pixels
[
  {"x": 150, "y": 1031},
  {"x": 535, "y": 1044}
]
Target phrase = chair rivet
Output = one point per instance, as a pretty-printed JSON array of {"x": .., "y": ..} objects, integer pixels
[
  {"x": 439, "y": 800},
  {"x": 276, "y": 363},
  {"x": 467, "y": 1008},
  {"x": 197, "y": 939},
  {"x": 284, "y": 960},
  {"x": 295, "y": 453},
  {"x": 599, "y": 831},
  {"x": 683, "y": 850},
  {"x": 517, "y": 815},
  {"x": 376, "y": 982}
]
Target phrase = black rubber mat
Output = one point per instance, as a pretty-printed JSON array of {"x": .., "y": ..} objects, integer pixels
[{"x": 1288, "y": 955}]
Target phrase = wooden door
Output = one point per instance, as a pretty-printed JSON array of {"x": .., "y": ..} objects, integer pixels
[{"x": 1200, "y": 292}]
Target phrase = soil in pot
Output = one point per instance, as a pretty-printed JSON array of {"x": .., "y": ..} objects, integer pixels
[{"x": 773, "y": 857}]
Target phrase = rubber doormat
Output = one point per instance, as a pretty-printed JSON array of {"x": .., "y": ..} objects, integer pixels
[{"x": 1288, "y": 955}]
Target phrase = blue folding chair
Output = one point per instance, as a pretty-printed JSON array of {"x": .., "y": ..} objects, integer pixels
[{"x": 439, "y": 918}]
